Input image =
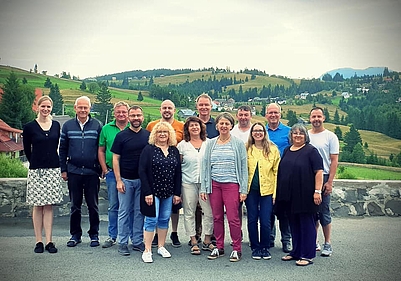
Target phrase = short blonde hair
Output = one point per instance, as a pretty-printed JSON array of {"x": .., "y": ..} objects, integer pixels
[
  {"x": 121, "y": 103},
  {"x": 172, "y": 141}
]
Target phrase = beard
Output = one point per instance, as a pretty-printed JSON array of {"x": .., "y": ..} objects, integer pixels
[{"x": 136, "y": 124}]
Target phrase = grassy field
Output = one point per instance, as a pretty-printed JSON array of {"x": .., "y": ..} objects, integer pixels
[
  {"x": 369, "y": 172},
  {"x": 378, "y": 143}
]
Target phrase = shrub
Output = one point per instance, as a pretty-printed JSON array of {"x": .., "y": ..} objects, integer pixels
[
  {"x": 12, "y": 168},
  {"x": 346, "y": 175}
]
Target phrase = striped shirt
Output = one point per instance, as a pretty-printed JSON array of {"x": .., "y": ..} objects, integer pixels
[{"x": 223, "y": 164}]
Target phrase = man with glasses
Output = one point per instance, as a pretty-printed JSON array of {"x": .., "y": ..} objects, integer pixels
[
  {"x": 278, "y": 133},
  {"x": 167, "y": 110},
  {"x": 106, "y": 139},
  {"x": 127, "y": 148}
]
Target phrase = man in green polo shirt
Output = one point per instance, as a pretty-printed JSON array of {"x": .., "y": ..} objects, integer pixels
[{"x": 107, "y": 135}]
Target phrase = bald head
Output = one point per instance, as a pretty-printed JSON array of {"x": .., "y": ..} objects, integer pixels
[{"x": 167, "y": 110}]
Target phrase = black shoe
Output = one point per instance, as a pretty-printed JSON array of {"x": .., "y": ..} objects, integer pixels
[
  {"x": 39, "y": 248},
  {"x": 73, "y": 241},
  {"x": 123, "y": 250},
  {"x": 51, "y": 248},
  {"x": 175, "y": 242},
  {"x": 94, "y": 240},
  {"x": 287, "y": 247},
  {"x": 155, "y": 241}
]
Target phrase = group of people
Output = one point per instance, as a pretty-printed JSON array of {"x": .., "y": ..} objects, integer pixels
[{"x": 209, "y": 167}]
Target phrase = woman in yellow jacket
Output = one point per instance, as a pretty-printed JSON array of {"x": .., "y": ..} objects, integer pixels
[{"x": 263, "y": 160}]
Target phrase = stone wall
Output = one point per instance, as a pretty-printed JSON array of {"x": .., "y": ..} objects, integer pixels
[{"x": 349, "y": 198}]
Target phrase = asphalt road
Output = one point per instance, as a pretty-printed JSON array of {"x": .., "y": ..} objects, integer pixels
[{"x": 364, "y": 249}]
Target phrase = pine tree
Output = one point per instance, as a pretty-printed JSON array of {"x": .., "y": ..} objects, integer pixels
[
  {"x": 48, "y": 83},
  {"x": 326, "y": 114},
  {"x": 16, "y": 102},
  {"x": 83, "y": 86},
  {"x": 103, "y": 105},
  {"x": 57, "y": 98},
  {"x": 140, "y": 97},
  {"x": 336, "y": 119},
  {"x": 351, "y": 139},
  {"x": 292, "y": 118},
  {"x": 338, "y": 133}
]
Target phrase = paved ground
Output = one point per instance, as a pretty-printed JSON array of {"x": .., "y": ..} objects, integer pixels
[{"x": 364, "y": 249}]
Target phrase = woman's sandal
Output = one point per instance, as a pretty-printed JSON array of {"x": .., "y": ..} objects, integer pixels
[
  {"x": 303, "y": 262},
  {"x": 195, "y": 250},
  {"x": 288, "y": 258},
  {"x": 208, "y": 246}
]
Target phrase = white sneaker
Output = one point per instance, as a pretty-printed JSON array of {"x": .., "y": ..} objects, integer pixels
[
  {"x": 318, "y": 248},
  {"x": 147, "y": 256},
  {"x": 163, "y": 252}
]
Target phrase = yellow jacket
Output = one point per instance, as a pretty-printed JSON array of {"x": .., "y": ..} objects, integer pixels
[{"x": 267, "y": 169}]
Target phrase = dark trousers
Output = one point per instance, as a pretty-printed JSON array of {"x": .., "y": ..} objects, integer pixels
[
  {"x": 79, "y": 186},
  {"x": 284, "y": 226},
  {"x": 259, "y": 209},
  {"x": 303, "y": 231}
]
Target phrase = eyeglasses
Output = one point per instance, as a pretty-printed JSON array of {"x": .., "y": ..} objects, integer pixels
[
  {"x": 135, "y": 115},
  {"x": 258, "y": 131},
  {"x": 162, "y": 132},
  {"x": 273, "y": 112},
  {"x": 298, "y": 133},
  {"x": 121, "y": 112}
]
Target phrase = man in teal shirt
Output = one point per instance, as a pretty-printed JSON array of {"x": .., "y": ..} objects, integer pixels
[{"x": 107, "y": 135}]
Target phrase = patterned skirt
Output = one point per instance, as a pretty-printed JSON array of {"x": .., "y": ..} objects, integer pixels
[{"x": 44, "y": 187}]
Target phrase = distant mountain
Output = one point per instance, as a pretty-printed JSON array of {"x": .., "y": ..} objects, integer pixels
[{"x": 350, "y": 72}]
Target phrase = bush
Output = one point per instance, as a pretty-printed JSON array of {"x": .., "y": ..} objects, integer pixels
[
  {"x": 12, "y": 168},
  {"x": 344, "y": 174}
]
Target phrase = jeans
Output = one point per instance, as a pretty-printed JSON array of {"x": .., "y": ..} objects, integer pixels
[
  {"x": 190, "y": 199},
  {"x": 112, "y": 193},
  {"x": 130, "y": 218},
  {"x": 259, "y": 209},
  {"x": 88, "y": 186},
  {"x": 284, "y": 226},
  {"x": 226, "y": 195},
  {"x": 163, "y": 213}
]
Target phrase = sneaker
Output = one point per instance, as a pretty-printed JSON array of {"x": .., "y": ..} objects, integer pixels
[
  {"x": 175, "y": 242},
  {"x": 39, "y": 248},
  {"x": 318, "y": 248},
  {"x": 327, "y": 250},
  {"x": 235, "y": 256},
  {"x": 163, "y": 252},
  {"x": 155, "y": 241},
  {"x": 109, "y": 242},
  {"x": 94, "y": 240},
  {"x": 266, "y": 254},
  {"x": 256, "y": 254},
  {"x": 51, "y": 248},
  {"x": 216, "y": 253},
  {"x": 123, "y": 250},
  {"x": 73, "y": 241},
  {"x": 147, "y": 256},
  {"x": 139, "y": 248}
]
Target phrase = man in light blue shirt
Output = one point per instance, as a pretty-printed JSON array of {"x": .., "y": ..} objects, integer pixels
[{"x": 278, "y": 133}]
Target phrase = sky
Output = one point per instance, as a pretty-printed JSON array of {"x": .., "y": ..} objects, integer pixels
[{"x": 297, "y": 39}]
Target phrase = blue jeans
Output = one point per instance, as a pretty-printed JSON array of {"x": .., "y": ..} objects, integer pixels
[
  {"x": 112, "y": 194},
  {"x": 130, "y": 218},
  {"x": 163, "y": 213},
  {"x": 259, "y": 209}
]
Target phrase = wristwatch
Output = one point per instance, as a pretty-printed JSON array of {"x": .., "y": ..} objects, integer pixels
[{"x": 318, "y": 191}]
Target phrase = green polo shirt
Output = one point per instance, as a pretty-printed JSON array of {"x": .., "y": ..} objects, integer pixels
[{"x": 106, "y": 139}]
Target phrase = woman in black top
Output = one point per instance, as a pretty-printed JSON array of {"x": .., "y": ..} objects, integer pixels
[
  {"x": 299, "y": 185},
  {"x": 160, "y": 174},
  {"x": 41, "y": 138}
]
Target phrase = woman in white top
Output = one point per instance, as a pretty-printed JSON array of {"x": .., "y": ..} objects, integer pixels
[{"x": 191, "y": 150}]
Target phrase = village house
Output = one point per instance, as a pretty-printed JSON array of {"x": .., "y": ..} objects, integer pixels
[
  {"x": 185, "y": 113},
  {"x": 10, "y": 141}
]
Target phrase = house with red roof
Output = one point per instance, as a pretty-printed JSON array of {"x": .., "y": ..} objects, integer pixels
[{"x": 10, "y": 140}]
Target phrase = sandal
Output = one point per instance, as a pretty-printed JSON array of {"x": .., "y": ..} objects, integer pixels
[
  {"x": 195, "y": 250},
  {"x": 303, "y": 262},
  {"x": 288, "y": 258},
  {"x": 208, "y": 246}
]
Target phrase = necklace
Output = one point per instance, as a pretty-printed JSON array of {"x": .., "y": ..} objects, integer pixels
[{"x": 224, "y": 140}]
